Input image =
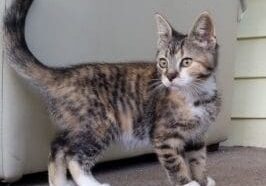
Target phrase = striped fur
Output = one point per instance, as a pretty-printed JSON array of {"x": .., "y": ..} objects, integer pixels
[{"x": 169, "y": 104}]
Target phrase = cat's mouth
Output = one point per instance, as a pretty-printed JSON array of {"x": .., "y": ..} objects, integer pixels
[
  {"x": 172, "y": 86},
  {"x": 176, "y": 83}
]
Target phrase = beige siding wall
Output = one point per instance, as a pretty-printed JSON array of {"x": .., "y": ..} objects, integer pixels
[{"x": 248, "y": 127}]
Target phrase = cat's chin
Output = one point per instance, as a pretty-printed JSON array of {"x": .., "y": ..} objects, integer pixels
[{"x": 175, "y": 88}]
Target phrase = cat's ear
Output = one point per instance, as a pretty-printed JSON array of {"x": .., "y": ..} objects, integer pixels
[
  {"x": 164, "y": 30},
  {"x": 203, "y": 31}
]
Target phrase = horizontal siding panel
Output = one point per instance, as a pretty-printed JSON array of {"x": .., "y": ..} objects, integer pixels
[
  {"x": 251, "y": 58},
  {"x": 253, "y": 23},
  {"x": 249, "y": 98},
  {"x": 248, "y": 132}
]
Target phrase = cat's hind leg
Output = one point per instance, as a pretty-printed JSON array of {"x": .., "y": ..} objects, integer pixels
[
  {"x": 81, "y": 175},
  {"x": 57, "y": 171},
  {"x": 84, "y": 150}
]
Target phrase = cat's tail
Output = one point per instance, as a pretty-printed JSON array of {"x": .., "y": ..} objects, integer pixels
[{"x": 19, "y": 55}]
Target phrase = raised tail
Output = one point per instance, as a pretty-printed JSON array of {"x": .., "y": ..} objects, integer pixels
[{"x": 19, "y": 55}]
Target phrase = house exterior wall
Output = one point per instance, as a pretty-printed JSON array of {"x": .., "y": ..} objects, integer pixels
[{"x": 248, "y": 124}]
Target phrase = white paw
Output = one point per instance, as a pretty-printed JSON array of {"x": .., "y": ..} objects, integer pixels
[
  {"x": 105, "y": 184},
  {"x": 98, "y": 184},
  {"x": 70, "y": 183},
  {"x": 192, "y": 183},
  {"x": 211, "y": 182}
]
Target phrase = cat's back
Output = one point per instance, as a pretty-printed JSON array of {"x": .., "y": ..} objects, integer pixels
[
  {"x": 97, "y": 75},
  {"x": 100, "y": 89}
]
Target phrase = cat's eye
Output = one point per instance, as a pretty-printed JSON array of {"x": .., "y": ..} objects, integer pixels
[
  {"x": 186, "y": 62},
  {"x": 163, "y": 63}
]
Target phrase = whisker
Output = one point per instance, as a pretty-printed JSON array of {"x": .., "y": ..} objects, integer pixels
[
  {"x": 155, "y": 79},
  {"x": 156, "y": 88},
  {"x": 153, "y": 85}
]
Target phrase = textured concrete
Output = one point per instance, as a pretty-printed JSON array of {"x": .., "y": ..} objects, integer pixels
[{"x": 229, "y": 167}]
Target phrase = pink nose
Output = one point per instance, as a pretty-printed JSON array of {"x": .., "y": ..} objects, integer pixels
[{"x": 171, "y": 76}]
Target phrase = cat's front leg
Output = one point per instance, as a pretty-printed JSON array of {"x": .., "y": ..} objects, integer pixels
[
  {"x": 195, "y": 154},
  {"x": 171, "y": 156}
]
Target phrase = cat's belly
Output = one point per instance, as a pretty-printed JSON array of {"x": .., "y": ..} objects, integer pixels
[{"x": 130, "y": 141}]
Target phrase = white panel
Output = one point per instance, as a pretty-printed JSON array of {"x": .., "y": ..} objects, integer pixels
[
  {"x": 251, "y": 58},
  {"x": 249, "y": 100},
  {"x": 248, "y": 132},
  {"x": 68, "y": 32},
  {"x": 253, "y": 24}
]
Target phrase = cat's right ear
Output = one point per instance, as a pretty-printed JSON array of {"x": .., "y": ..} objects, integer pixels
[
  {"x": 203, "y": 31},
  {"x": 164, "y": 30}
]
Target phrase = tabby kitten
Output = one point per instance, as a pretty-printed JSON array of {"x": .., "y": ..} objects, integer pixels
[{"x": 170, "y": 103}]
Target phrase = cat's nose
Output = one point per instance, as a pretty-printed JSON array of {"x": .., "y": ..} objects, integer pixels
[{"x": 172, "y": 75}]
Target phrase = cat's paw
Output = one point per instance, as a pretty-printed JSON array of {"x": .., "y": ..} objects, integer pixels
[
  {"x": 70, "y": 183},
  {"x": 192, "y": 183},
  {"x": 211, "y": 182},
  {"x": 105, "y": 184}
]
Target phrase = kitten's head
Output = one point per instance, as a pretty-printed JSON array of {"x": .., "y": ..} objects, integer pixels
[{"x": 186, "y": 60}]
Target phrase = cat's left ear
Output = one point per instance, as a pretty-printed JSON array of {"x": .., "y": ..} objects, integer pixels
[
  {"x": 203, "y": 31},
  {"x": 164, "y": 30}
]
